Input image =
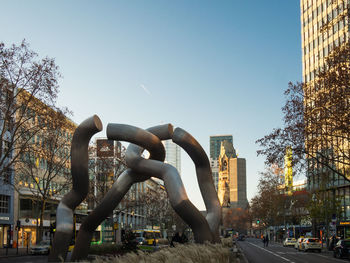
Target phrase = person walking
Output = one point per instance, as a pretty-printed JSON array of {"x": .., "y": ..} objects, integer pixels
[
  {"x": 267, "y": 240},
  {"x": 176, "y": 239},
  {"x": 264, "y": 240}
]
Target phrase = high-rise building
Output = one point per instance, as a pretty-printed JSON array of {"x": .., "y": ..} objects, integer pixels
[
  {"x": 325, "y": 28},
  {"x": 173, "y": 154},
  {"x": 215, "y": 146}
]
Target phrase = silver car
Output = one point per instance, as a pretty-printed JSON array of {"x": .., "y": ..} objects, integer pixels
[{"x": 42, "y": 248}]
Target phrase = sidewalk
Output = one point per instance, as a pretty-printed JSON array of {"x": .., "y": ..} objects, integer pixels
[{"x": 10, "y": 252}]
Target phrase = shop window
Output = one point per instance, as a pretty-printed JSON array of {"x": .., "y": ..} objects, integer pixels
[{"x": 26, "y": 204}]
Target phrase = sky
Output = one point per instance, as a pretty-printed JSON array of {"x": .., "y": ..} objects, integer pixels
[{"x": 209, "y": 67}]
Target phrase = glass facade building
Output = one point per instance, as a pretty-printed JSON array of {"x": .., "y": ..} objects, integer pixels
[
  {"x": 173, "y": 154},
  {"x": 215, "y": 146},
  {"x": 325, "y": 27}
]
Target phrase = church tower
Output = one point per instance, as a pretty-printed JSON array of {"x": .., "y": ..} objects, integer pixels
[{"x": 232, "y": 186}]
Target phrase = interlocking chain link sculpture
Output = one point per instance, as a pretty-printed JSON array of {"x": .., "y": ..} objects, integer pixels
[{"x": 139, "y": 170}]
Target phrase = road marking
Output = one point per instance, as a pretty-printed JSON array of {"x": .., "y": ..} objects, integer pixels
[
  {"x": 286, "y": 259},
  {"x": 329, "y": 258}
]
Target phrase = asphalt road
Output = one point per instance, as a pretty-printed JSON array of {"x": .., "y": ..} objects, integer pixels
[
  {"x": 255, "y": 252},
  {"x": 24, "y": 259}
]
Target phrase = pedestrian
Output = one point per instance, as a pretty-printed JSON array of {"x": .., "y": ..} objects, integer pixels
[
  {"x": 267, "y": 240},
  {"x": 176, "y": 238},
  {"x": 184, "y": 238},
  {"x": 263, "y": 240}
]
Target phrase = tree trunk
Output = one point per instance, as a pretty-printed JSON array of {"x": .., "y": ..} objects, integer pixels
[{"x": 41, "y": 227}]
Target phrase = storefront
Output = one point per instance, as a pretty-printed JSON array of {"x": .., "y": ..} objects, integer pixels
[
  {"x": 6, "y": 216},
  {"x": 5, "y": 236},
  {"x": 5, "y": 231},
  {"x": 28, "y": 231}
]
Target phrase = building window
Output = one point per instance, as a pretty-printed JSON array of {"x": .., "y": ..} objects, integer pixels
[
  {"x": 4, "y": 203},
  {"x": 7, "y": 175}
]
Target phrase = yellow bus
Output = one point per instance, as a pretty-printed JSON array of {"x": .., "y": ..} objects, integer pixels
[{"x": 147, "y": 236}]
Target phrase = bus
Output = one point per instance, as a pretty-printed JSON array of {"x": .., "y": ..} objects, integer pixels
[
  {"x": 78, "y": 219},
  {"x": 97, "y": 236},
  {"x": 147, "y": 236}
]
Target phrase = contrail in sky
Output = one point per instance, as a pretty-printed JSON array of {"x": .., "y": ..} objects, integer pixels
[{"x": 145, "y": 89}]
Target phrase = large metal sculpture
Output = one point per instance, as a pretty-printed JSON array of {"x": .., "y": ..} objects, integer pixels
[{"x": 139, "y": 170}]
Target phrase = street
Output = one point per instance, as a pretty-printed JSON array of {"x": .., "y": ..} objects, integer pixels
[
  {"x": 24, "y": 259},
  {"x": 255, "y": 252}
]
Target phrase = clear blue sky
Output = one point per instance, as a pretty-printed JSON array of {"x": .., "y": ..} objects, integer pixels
[{"x": 209, "y": 67}]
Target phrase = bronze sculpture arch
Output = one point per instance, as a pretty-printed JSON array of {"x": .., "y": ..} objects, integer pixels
[{"x": 140, "y": 169}]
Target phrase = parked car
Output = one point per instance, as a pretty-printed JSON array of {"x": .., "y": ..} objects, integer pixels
[
  {"x": 43, "y": 247},
  {"x": 298, "y": 243},
  {"x": 311, "y": 244},
  {"x": 141, "y": 240},
  {"x": 289, "y": 241},
  {"x": 341, "y": 249},
  {"x": 241, "y": 238}
]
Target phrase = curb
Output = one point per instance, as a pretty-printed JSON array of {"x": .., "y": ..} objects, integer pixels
[
  {"x": 241, "y": 254},
  {"x": 13, "y": 256}
]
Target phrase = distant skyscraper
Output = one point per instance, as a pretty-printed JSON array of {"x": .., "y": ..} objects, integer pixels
[
  {"x": 215, "y": 144},
  {"x": 173, "y": 154}
]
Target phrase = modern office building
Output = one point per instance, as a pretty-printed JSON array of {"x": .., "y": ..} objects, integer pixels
[
  {"x": 173, "y": 154},
  {"x": 325, "y": 28},
  {"x": 215, "y": 146},
  {"x": 232, "y": 185}
]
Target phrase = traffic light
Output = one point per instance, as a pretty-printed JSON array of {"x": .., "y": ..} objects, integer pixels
[
  {"x": 258, "y": 221},
  {"x": 53, "y": 228}
]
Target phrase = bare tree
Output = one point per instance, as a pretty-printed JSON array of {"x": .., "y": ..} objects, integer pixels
[
  {"x": 43, "y": 170},
  {"x": 23, "y": 79},
  {"x": 317, "y": 128},
  {"x": 31, "y": 125},
  {"x": 106, "y": 164},
  {"x": 237, "y": 218},
  {"x": 316, "y": 121},
  {"x": 269, "y": 201},
  {"x": 155, "y": 204}
]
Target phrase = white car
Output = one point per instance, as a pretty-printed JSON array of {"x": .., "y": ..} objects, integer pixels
[
  {"x": 289, "y": 241},
  {"x": 311, "y": 244},
  {"x": 42, "y": 248},
  {"x": 298, "y": 243}
]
